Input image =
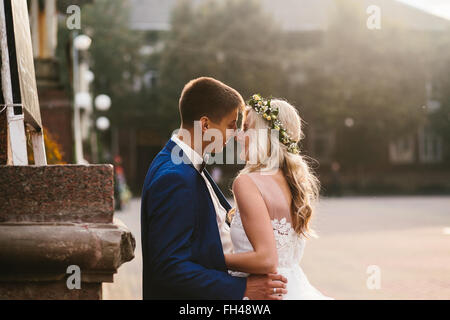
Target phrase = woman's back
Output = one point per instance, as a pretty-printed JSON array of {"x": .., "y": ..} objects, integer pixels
[
  {"x": 276, "y": 194},
  {"x": 290, "y": 245}
]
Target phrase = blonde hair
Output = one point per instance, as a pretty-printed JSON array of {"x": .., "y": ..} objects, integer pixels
[{"x": 273, "y": 155}]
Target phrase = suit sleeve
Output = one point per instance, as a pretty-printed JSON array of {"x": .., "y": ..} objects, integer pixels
[{"x": 172, "y": 218}]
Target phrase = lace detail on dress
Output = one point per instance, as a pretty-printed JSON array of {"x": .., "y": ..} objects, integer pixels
[
  {"x": 290, "y": 245},
  {"x": 282, "y": 229}
]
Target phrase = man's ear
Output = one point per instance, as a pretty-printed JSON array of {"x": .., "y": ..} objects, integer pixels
[{"x": 205, "y": 123}]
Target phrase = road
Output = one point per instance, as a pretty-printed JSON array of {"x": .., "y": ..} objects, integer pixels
[{"x": 404, "y": 243}]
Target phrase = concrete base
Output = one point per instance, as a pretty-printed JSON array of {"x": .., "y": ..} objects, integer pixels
[
  {"x": 55, "y": 217},
  {"x": 51, "y": 290}
]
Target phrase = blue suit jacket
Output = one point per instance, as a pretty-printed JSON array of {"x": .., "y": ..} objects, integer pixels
[{"x": 181, "y": 247}]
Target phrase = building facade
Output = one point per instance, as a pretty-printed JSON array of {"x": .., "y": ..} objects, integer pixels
[{"x": 419, "y": 151}]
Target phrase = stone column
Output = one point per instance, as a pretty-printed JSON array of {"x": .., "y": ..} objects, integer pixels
[
  {"x": 3, "y": 138},
  {"x": 54, "y": 217}
]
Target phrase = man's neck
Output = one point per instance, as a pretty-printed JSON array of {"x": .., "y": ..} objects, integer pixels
[{"x": 191, "y": 142}]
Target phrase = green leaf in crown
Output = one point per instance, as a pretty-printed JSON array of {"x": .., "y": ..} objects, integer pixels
[{"x": 264, "y": 108}]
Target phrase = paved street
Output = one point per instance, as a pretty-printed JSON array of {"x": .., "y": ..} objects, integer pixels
[
  {"x": 128, "y": 281},
  {"x": 407, "y": 238}
]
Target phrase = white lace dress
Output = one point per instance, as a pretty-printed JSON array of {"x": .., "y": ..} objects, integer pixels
[{"x": 290, "y": 245}]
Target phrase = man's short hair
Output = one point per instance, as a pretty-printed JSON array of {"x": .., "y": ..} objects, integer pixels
[{"x": 208, "y": 97}]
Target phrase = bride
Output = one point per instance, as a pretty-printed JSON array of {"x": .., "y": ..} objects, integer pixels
[{"x": 274, "y": 194}]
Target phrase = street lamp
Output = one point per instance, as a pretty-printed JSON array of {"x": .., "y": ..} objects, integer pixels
[
  {"x": 89, "y": 76},
  {"x": 103, "y": 123},
  {"x": 82, "y": 42},
  {"x": 82, "y": 98},
  {"x": 103, "y": 102},
  {"x": 349, "y": 122}
]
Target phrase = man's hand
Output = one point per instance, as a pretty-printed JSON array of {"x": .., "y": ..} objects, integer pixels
[{"x": 261, "y": 287}]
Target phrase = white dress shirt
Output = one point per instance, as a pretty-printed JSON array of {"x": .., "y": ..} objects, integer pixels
[{"x": 221, "y": 213}]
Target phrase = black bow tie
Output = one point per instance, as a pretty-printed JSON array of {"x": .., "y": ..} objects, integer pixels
[{"x": 202, "y": 167}]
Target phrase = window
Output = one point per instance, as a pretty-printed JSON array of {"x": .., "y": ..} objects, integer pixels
[
  {"x": 430, "y": 146},
  {"x": 402, "y": 150}
]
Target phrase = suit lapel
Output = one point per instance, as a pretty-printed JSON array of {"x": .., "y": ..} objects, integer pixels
[{"x": 223, "y": 201}]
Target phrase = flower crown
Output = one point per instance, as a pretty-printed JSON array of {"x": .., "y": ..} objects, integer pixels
[{"x": 262, "y": 106}]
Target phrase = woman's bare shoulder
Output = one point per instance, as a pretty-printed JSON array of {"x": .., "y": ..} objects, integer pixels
[{"x": 243, "y": 181}]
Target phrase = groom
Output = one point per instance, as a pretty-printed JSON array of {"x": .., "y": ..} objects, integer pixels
[{"x": 184, "y": 233}]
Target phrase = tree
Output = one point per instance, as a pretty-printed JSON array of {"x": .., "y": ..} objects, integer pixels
[
  {"x": 234, "y": 41},
  {"x": 114, "y": 58},
  {"x": 116, "y": 61},
  {"x": 440, "y": 119},
  {"x": 376, "y": 78}
]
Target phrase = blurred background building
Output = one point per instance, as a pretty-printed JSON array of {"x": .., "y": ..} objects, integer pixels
[
  {"x": 374, "y": 102},
  {"x": 413, "y": 160}
]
